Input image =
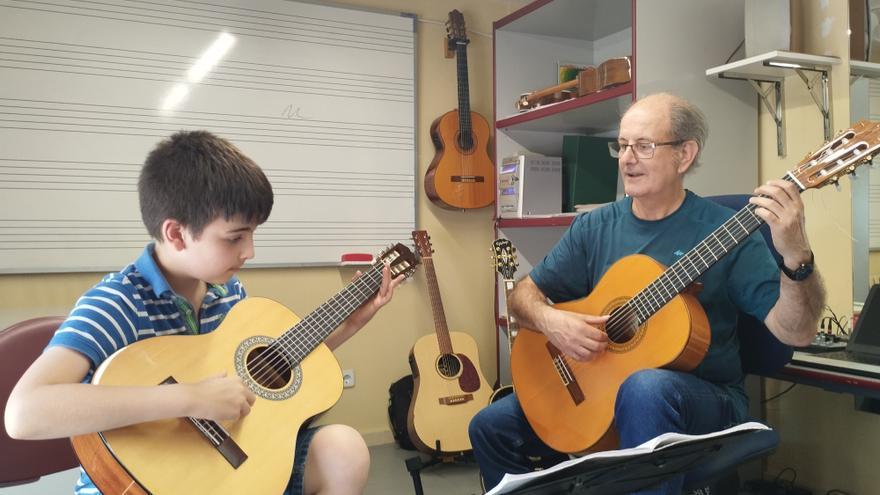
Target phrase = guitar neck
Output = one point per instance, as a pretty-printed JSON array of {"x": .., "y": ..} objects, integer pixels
[
  {"x": 464, "y": 103},
  {"x": 299, "y": 341},
  {"x": 695, "y": 262},
  {"x": 440, "y": 326},
  {"x": 511, "y": 321}
]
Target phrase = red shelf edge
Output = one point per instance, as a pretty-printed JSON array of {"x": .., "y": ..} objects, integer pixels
[
  {"x": 561, "y": 221},
  {"x": 546, "y": 111}
]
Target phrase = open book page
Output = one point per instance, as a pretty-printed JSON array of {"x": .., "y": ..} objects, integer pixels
[{"x": 513, "y": 481}]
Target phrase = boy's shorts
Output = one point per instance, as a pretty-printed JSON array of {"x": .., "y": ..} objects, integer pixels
[{"x": 303, "y": 439}]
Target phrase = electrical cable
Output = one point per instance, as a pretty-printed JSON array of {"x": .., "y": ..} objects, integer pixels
[{"x": 780, "y": 394}]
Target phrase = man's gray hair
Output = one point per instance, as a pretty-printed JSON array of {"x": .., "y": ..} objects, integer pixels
[{"x": 686, "y": 123}]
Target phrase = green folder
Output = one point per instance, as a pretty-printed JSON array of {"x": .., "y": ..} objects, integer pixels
[{"x": 589, "y": 173}]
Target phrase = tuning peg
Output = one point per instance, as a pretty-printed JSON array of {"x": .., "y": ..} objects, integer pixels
[{"x": 837, "y": 185}]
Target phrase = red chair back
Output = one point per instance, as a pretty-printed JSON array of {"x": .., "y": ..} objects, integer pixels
[{"x": 25, "y": 461}]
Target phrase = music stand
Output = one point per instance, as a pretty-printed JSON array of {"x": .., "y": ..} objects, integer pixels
[{"x": 615, "y": 475}]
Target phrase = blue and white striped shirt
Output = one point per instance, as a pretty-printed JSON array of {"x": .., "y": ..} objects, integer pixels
[{"x": 133, "y": 304}]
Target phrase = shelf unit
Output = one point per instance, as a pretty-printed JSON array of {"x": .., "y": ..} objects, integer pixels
[
  {"x": 669, "y": 46},
  {"x": 771, "y": 68}
]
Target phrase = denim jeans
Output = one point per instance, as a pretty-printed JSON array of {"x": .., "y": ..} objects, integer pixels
[{"x": 650, "y": 402}]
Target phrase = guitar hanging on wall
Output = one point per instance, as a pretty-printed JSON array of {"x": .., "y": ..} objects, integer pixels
[
  {"x": 448, "y": 386},
  {"x": 654, "y": 319},
  {"x": 462, "y": 174}
]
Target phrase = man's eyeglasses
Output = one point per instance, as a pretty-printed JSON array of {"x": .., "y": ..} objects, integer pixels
[{"x": 642, "y": 149}]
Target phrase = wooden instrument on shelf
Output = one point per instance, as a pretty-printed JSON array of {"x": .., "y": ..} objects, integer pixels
[
  {"x": 586, "y": 82},
  {"x": 504, "y": 259},
  {"x": 281, "y": 358},
  {"x": 614, "y": 71},
  {"x": 610, "y": 73},
  {"x": 654, "y": 321},
  {"x": 449, "y": 388},
  {"x": 462, "y": 174}
]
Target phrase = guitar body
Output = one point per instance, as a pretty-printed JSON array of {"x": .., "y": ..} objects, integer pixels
[
  {"x": 460, "y": 178},
  {"x": 445, "y": 399},
  {"x": 171, "y": 456},
  {"x": 676, "y": 336}
]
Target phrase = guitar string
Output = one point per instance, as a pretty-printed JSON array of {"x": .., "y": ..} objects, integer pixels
[
  {"x": 298, "y": 339},
  {"x": 299, "y": 342},
  {"x": 640, "y": 308},
  {"x": 439, "y": 323}
]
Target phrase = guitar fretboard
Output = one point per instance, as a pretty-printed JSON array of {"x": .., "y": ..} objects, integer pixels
[
  {"x": 466, "y": 139},
  {"x": 688, "y": 268},
  {"x": 299, "y": 341}
]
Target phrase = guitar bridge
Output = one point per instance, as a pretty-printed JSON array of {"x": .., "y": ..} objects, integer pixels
[
  {"x": 217, "y": 436},
  {"x": 566, "y": 376},
  {"x": 450, "y": 400},
  {"x": 468, "y": 178}
]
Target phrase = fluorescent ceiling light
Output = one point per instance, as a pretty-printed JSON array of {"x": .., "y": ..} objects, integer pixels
[{"x": 210, "y": 58}]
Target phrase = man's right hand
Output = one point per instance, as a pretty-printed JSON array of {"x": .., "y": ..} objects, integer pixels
[
  {"x": 220, "y": 398},
  {"x": 576, "y": 335}
]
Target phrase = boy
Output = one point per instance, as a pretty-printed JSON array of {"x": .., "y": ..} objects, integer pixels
[{"x": 201, "y": 200}]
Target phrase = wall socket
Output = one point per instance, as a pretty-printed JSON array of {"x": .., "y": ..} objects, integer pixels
[{"x": 347, "y": 378}]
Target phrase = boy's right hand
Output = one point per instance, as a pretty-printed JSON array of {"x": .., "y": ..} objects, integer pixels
[{"x": 220, "y": 398}]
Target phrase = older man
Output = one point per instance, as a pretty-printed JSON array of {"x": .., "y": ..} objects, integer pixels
[{"x": 660, "y": 139}]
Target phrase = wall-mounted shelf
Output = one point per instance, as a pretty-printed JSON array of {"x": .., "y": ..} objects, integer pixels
[
  {"x": 554, "y": 221},
  {"x": 864, "y": 69},
  {"x": 771, "y": 68},
  {"x": 599, "y": 111}
]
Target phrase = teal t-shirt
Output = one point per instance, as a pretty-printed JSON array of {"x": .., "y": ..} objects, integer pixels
[{"x": 745, "y": 280}]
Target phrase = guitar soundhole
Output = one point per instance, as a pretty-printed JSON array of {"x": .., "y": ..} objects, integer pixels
[
  {"x": 269, "y": 367},
  {"x": 465, "y": 141},
  {"x": 449, "y": 365},
  {"x": 622, "y": 326}
]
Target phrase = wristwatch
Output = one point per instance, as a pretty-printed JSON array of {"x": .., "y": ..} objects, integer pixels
[{"x": 801, "y": 272}]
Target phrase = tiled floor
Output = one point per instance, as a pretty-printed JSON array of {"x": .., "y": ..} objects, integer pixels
[{"x": 388, "y": 475}]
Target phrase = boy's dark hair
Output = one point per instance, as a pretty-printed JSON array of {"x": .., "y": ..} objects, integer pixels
[{"x": 195, "y": 177}]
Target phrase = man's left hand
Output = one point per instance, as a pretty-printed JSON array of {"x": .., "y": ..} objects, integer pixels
[{"x": 780, "y": 205}]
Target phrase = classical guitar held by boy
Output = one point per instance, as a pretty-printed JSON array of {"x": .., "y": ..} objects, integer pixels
[
  {"x": 278, "y": 356},
  {"x": 654, "y": 320},
  {"x": 449, "y": 388},
  {"x": 462, "y": 174}
]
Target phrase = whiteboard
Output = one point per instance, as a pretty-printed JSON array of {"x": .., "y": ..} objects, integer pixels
[{"x": 321, "y": 97}]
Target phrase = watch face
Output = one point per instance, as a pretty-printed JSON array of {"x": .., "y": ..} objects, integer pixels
[{"x": 801, "y": 273}]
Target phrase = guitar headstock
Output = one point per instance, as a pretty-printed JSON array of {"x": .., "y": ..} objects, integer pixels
[
  {"x": 423, "y": 243},
  {"x": 400, "y": 259},
  {"x": 504, "y": 258},
  {"x": 841, "y": 155},
  {"x": 455, "y": 32}
]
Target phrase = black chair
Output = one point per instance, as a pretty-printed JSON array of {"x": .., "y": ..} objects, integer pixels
[{"x": 761, "y": 353}]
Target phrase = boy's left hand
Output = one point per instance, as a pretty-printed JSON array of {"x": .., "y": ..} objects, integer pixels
[{"x": 368, "y": 309}]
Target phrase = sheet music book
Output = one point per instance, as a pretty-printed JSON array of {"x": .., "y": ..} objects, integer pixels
[{"x": 511, "y": 482}]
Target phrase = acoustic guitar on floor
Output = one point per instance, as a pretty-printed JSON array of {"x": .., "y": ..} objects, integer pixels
[
  {"x": 462, "y": 174},
  {"x": 448, "y": 386},
  {"x": 281, "y": 358},
  {"x": 655, "y": 321}
]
